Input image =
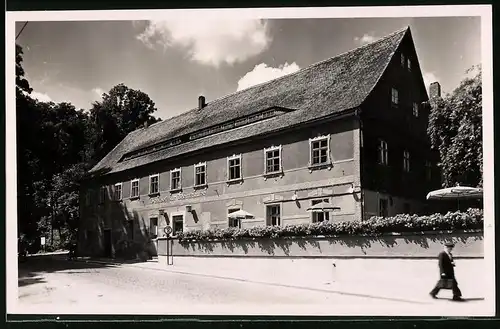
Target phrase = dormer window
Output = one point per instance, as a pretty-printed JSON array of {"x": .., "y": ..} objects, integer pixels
[{"x": 394, "y": 96}]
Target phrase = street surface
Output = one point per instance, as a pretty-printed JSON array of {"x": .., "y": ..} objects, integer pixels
[{"x": 53, "y": 284}]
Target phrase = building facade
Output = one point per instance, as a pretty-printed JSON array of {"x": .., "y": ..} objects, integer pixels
[{"x": 350, "y": 131}]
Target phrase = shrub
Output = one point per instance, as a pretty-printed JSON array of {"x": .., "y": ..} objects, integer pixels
[{"x": 472, "y": 219}]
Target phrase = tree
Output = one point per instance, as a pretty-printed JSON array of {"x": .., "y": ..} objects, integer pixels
[
  {"x": 121, "y": 111},
  {"x": 455, "y": 130},
  {"x": 21, "y": 83}
]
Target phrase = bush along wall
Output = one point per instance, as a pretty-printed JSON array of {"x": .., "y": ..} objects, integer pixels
[{"x": 472, "y": 219}]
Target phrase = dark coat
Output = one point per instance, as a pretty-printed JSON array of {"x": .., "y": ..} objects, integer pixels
[{"x": 446, "y": 266}]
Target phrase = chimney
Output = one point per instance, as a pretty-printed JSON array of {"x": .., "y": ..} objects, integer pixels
[
  {"x": 434, "y": 90},
  {"x": 201, "y": 102}
]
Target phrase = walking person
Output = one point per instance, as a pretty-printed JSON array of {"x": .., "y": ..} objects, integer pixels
[{"x": 447, "y": 273}]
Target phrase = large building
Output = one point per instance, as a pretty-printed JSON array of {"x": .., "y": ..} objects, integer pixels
[{"x": 350, "y": 130}]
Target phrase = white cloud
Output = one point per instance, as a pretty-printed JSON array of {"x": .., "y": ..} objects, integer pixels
[
  {"x": 41, "y": 97},
  {"x": 366, "y": 38},
  {"x": 210, "y": 42},
  {"x": 429, "y": 77},
  {"x": 98, "y": 91},
  {"x": 262, "y": 73}
]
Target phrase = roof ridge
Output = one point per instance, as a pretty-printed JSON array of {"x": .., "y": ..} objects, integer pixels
[
  {"x": 316, "y": 63},
  {"x": 293, "y": 73}
]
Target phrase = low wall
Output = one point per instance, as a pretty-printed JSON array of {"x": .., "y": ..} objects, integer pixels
[{"x": 428, "y": 245}]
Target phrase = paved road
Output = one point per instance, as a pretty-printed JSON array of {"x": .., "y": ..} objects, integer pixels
[{"x": 50, "y": 282}]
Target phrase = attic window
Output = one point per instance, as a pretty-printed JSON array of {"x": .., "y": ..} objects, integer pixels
[
  {"x": 409, "y": 65},
  {"x": 402, "y": 60},
  {"x": 415, "y": 110},
  {"x": 394, "y": 96}
]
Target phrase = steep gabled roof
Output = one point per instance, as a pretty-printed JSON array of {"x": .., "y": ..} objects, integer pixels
[{"x": 331, "y": 86}]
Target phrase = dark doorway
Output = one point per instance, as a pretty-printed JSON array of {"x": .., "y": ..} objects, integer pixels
[{"x": 107, "y": 243}]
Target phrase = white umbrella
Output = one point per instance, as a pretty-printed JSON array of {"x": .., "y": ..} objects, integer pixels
[
  {"x": 322, "y": 207},
  {"x": 456, "y": 193},
  {"x": 240, "y": 214}
]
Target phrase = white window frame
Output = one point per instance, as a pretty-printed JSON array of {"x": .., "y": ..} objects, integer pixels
[
  {"x": 119, "y": 198},
  {"x": 406, "y": 161},
  {"x": 314, "y": 214},
  {"x": 328, "y": 150},
  {"x": 272, "y": 149},
  {"x": 268, "y": 219},
  {"x": 229, "y": 220},
  {"x": 158, "y": 182},
  {"x": 176, "y": 170},
  {"x": 102, "y": 194},
  {"x": 394, "y": 96},
  {"x": 229, "y": 159},
  {"x": 132, "y": 188},
  {"x": 415, "y": 109},
  {"x": 198, "y": 165},
  {"x": 383, "y": 152},
  {"x": 178, "y": 213}
]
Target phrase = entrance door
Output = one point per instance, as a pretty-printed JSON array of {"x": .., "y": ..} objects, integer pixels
[{"x": 107, "y": 243}]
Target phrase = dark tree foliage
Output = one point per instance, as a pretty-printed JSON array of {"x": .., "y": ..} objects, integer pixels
[
  {"x": 56, "y": 145},
  {"x": 455, "y": 130}
]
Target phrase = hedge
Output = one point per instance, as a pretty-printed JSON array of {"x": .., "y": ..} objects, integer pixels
[{"x": 472, "y": 219}]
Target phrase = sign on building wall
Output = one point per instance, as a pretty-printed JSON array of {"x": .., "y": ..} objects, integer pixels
[{"x": 179, "y": 196}]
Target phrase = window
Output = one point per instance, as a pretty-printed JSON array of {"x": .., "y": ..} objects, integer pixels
[
  {"x": 234, "y": 222},
  {"x": 409, "y": 65},
  {"x": 273, "y": 159},
  {"x": 402, "y": 60},
  {"x": 273, "y": 215},
  {"x": 177, "y": 224},
  {"x": 319, "y": 216},
  {"x": 383, "y": 208},
  {"x": 102, "y": 194},
  {"x": 130, "y": 229},
  {"x": 383, "y": 153},
  {"x": 200, "y": 176},
  {"x": 415, "y": 110},
  {"x": 320, "y": 150},
  {"x": 428, "y": 170},
  {"x": 153, "y": 227},
  {"x": 175, "y": 179},
  {"x": 154, "y": 184},
  {"x": 134, "y": 189},
  {"x": 394, "y": 96},
  {"x": 234, "y": 167},
  {"x": 406, "y": 161},
  {"x": 118, "y": 192}
]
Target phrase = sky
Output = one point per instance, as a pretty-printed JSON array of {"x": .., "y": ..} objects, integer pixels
[{"x": 176, "y": 61}]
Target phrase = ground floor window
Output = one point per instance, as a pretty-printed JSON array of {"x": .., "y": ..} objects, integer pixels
[
  {"x": 273, "y": 215},
  {"x": 320, "y": 216},
  {"x": 177, "y": 224},
  {"x": 153, "y": 227},
  {"x": 234, "y": 222},
  {"x": 383, "y": 208}
]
